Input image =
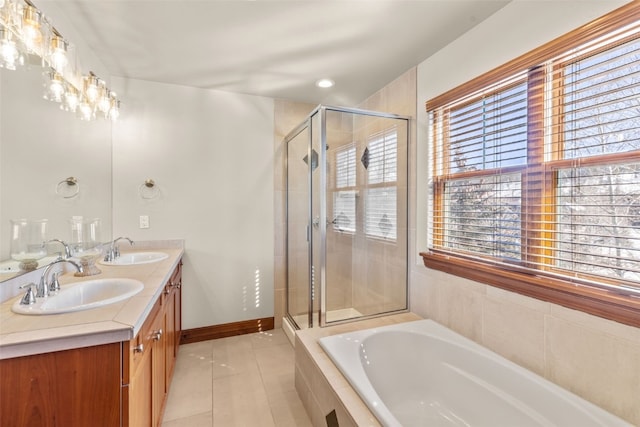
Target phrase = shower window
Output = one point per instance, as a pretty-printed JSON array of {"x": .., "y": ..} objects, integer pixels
[
  {"x": 381, "y": 194},
  {"x": 344, "y": 197}
]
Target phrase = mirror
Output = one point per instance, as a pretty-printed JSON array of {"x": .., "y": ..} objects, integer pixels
[{"x": 41, "y": 146}]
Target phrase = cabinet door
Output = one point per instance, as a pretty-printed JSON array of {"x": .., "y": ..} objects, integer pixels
[
  {"x": 173, "y": 321},
  {"x": 171, "y": 332},
  {"x": 158, "y": 356},
  {"x": 62, "y": 388},
  {"x": 140, "y": 391}
]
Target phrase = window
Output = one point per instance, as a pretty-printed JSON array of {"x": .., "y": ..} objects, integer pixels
[
  {"x": 344, "y": 198},
  {"x": 536, "y": 172},
  {"x": 381, "y": 194}
]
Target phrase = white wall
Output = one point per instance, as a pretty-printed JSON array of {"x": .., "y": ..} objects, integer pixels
[
  {"x": 592, "y": 357},
  {"x": 211, "y": 154}
]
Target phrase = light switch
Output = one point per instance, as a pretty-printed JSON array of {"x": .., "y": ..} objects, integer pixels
[{"x": 144, "y": 221}]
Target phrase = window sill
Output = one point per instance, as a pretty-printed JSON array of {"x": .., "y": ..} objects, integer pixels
[{"x": 617, "y": 307}]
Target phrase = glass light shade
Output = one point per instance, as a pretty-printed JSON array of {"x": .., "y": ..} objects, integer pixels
[
  {"x": 91, "y": 89},
  {"x": 85, "y": 111},
  {"x": 114, "y": 111},
  {"x": 104, "y": 102},
  {"x": 54, "y": 87},
  {"x": 9, "y": 54},
  {"x": 32, "y": 27},
  {"x": 58, "y": 48},
  {"x": 27, "y": 242},
  {"x": 71, "y": 99}
]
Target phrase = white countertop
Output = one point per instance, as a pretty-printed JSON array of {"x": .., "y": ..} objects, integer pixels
[{"x": 23, "y": 335}]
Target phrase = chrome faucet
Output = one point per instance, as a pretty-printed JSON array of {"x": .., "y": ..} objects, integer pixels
[
  {"x": 67, "y": 250},
  {"x": 43, "y": 285},
  {"x": 114, "y": 251}
]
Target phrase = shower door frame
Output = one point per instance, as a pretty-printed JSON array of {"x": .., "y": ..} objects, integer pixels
[
  {"x": 322, "y": 163},
  {"x": 305, "y": 124}
]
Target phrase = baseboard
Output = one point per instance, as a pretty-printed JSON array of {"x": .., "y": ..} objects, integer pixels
[{"x": 226, "y": 330}]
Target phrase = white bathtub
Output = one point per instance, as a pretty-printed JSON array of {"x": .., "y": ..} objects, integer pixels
[{"x": 423, "y": 374}]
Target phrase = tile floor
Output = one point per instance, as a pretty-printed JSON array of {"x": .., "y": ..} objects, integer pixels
[{"x": 242, "y": 381}]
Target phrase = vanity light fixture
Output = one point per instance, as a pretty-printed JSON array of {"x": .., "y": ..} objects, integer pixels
[
  {"x": 71, "y": 99},
  {"x": 54, "y": 86},
  {"x": 32, "y": 28},
  {"x": 9, "y": 54},
  {"x": 26, "y": 33},
  {"x": 114, "y": 107},
  {"x": 90, "y": 88},
  {"x": 58, "y": 48}
]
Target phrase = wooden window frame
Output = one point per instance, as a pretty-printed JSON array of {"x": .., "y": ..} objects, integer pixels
[{"x": 577, "y": 292}]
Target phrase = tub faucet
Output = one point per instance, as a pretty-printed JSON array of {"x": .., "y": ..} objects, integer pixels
[
  {"x": 114, "y": 251},
  {"x": 43, "y": 285},
  {"x": 67, "y": 250}
]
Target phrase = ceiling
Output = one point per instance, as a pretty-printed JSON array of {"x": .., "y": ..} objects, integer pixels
[{"x": 272, "y": 48}]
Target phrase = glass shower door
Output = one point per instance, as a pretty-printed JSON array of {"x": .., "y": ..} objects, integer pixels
[{"x": 298, "y": 232}]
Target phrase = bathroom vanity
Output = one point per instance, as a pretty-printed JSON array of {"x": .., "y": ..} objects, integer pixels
[{"x": 107, "y": 366}]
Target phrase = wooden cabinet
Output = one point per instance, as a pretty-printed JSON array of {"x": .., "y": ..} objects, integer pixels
[
  {"x": 173, "y": 318},
  {"x": 77, "y": 387},
  {"x": 152, "y": 354},
  {"x": 119, "y": 384}
]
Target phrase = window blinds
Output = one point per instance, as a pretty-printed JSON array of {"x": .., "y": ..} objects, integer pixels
[{"x": 541, "y": 170}]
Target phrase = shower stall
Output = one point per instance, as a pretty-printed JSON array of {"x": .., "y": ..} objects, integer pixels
[{"x": 346, "y": 216}]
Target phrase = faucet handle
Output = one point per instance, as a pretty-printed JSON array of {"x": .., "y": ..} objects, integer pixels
[
  {"x": 54, "y": 286},
  {"x": 30, "y": 296}
]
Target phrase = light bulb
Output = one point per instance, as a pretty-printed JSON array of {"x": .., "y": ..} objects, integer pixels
[
  {"x": 104, "y": 101},
  {"x": 58, "y": 53},
  {"x": 9, "y": 54},
  {"x": 91, "y": 88},
  {"x": 54, "y": 87},
  {"x": 86, "y": 111},
  {"x": 71, "y": 99},
  {"x": 31, "y": 24},
  {"x": 114, "y": 111}
]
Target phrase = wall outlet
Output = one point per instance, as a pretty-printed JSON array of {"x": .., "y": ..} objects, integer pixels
[{"x": 144, "y": 221}]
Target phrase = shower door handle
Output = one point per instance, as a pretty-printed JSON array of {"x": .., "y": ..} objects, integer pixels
[{"x": 316, "y": 222}]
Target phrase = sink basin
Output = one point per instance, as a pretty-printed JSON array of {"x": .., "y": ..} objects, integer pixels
[
  {"x": 82, "y": 296},
  {"x": 135, "y": 258}
]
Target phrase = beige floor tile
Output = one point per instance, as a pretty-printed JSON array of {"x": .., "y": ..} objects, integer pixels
[
  {"x": 199, "y": 420},
  {"x": 241, "y": 400},
  {"x": 232, "y": 356},
  {"x": 268, "y": 338},
  {"x": 191, "y": 386},
  {"x": 240, "y": 381}
]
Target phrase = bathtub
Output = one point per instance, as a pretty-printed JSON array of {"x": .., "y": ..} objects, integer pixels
[{"x": 423, "y": 374}]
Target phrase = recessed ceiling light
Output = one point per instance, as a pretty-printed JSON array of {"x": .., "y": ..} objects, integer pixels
[{"x": 325, "y": 83}]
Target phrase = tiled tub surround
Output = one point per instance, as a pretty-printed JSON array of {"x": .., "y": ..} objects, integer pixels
[
  {"x": 594, "y": 358},
  {"x": 321, "y": 386},
  {"x": 22, "y": 335}
]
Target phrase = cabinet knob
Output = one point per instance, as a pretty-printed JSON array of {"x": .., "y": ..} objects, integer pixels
[
  {"x": 157, "y": 335},
  {"x": 167, "y": 290},
  {"x": 139, "y": 348}
]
